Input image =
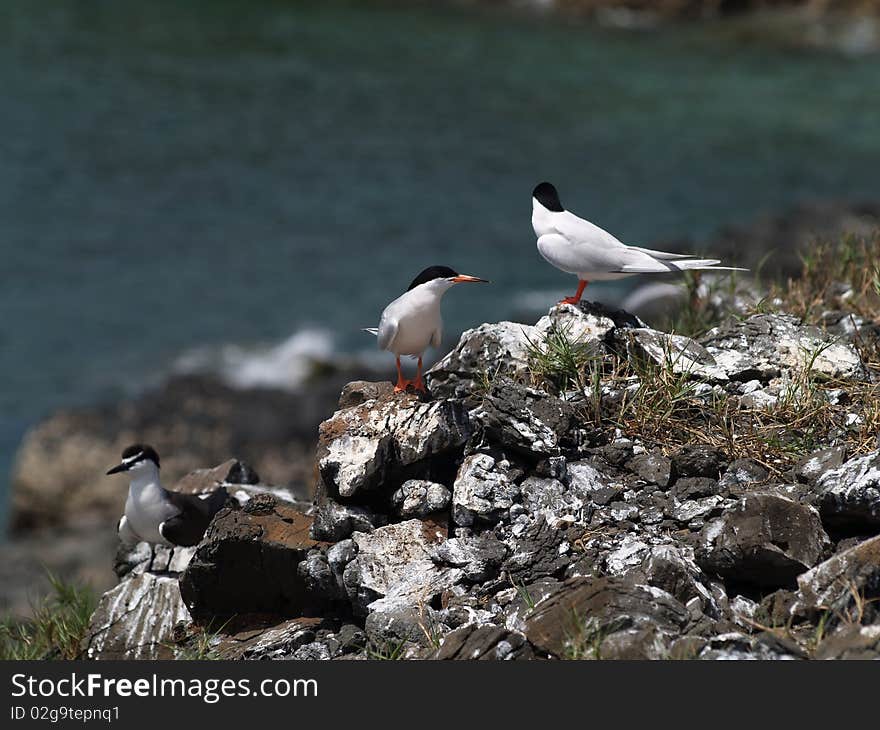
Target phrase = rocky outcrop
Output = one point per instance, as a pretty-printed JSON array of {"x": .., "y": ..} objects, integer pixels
[{"x": 515, "y": 515}]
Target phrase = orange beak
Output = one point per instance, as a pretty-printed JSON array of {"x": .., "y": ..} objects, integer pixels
[{"x": 461, "y": 278}]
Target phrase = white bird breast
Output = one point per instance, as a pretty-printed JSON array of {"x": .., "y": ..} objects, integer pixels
[{"x": 416, "y": 317}]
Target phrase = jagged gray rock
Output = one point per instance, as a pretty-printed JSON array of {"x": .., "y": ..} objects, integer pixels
[
  {"x": 136, "y": 619},
  {"x": 765, "y": 345},
  {"x": 522, "y": 418},
  {"x": 420, "y": 497},
  {"x": 393, "y": 569},
  {"x": 765, "y": 540},
  {"x": 361, "y": 446},
  {"x": 849, "y": 496},
  {"x": 846, "y": 585},
  {"x": 484, "y": 489},
  {"x": 478, "y": 557}
]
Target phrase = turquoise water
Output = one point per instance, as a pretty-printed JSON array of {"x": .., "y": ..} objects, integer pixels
[{"x": 176, "y": 175}]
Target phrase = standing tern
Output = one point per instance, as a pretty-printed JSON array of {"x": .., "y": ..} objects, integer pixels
[
  {"x": 576, "y": 246},
  {"x": 156, "y": 515},
  {"x": 412, "y": 322}
]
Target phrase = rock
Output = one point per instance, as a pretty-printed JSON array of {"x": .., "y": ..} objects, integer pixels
[
  {"x": 478, "y": 557},
  {"x": 765, "y": 345},
  {"x": 231, "y": 471},
  {"x": 535, "y": 553},
  {"x": 279, "y": 641},
  {"x": 737, "y": 646},
  {"x": 698, "y": 461},
  {"x": 682, "y": 354},
  {"x": 502, "y": 349},
  {"x": 654, "y": 468},
  {"x": 248, "y": 563},
  {"x": 393, "y": 569},
  {"x": 490, "y": 349},
  {"x": 673, "y": 569},
  {"x": 143, "y": 557},
  {"x": 483, "y": 490},
  {"x": 360, "y": 391},
  {"x": 377, "y": 441},
  {"x": 334, "y": 521},
  {"x": 695, "y": 488},
  {"x": 743, "y": 473},
  {"x": 554, "y": 501},
  {"x": 415, "y": 625},
  {"x": 846, "y": 585},
  {"x": 851, "y": 642},
  {"x": 691, "y": 512},
  {"x": 419, "y": 497},
  {"x": 584, "y": 612},
  {"x": 765, "y": 540},
  {"x": 586, "y": 321},
  {"x": 849, "y": 496},
  {"x": 484, "y": 642},
  {"x": 136, "y": 619},
  {"x": 814, "y": 465},
  {"x": 526, "y": 419}
]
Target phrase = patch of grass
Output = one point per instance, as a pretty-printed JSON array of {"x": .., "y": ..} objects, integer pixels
[
  {"x": 561, "y": 359},
  {"x": 201, "y": 645},
  {"x": 656, "y": 398},
  {"x": 843, "y": 274},
  {"x": 56, "y": 630},
  {"x": 523, "y": 593},
  {"x": 707, "y": 303},
  {"x": 388, "y": 651}
]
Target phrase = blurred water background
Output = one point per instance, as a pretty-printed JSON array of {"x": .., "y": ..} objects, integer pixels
[{"x": 184, "y": 183}]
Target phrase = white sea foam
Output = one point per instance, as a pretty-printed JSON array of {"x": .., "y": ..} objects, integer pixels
[{"x": 285, "y": 365}]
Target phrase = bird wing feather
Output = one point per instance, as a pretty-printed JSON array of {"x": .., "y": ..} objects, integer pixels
[
  {"x": 196, "y": 510},
  {"x": 387, "y": 330}
]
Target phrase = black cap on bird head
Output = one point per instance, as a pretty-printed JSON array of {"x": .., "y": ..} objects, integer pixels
[
  {"x": 136, "y": 454},
  {"x": 547, "y": 196},
  {"x": 442, "y": 272}
]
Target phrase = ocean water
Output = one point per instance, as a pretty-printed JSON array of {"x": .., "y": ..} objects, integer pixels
[{"x": 185, "y": 183}]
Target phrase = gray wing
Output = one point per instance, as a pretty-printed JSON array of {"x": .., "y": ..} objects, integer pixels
[
  {"x": 437, "y": 337},
  {"x": 387, "y": 330},
  {"x": 188, "y": 526}
]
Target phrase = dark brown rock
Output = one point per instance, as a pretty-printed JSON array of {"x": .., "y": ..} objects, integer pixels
[
  {"x": 699, "y": 461},
  {"x": 247, "y": 563},
  {"x": 585, "y": 611},
  {"x": 484, "y": 642},
  {"x": 765, "y": 540}
]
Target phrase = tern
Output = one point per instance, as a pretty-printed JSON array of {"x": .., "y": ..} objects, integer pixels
[
  {"x": 156, "y": 515},
  {"x": 412, "y": 322},
  {"x": 576, "y": 246}
]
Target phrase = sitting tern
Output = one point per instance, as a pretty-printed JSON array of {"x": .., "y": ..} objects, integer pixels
[
  {"x": 576, "y": 246},
  {"x": 412, "y": 322},
  {"x": 156, "y": 515}
]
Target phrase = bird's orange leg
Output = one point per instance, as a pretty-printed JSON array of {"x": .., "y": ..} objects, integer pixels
[
  {"x": 419, "y": 384},
  {"x": 401, "y": 383},
  {"x": 577, "y": 297}
]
